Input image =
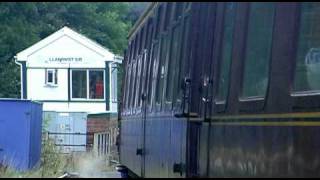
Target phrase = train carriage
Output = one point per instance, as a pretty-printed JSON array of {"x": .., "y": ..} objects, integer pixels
[{"x": 222, "y": 90}]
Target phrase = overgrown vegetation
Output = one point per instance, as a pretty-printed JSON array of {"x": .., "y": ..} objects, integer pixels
[
  {"x": 25, "y": 23},
  {"x": 52, "y": 164}
]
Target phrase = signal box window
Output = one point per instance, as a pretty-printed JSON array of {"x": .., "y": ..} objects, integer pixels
[
  {"x": 96, "y": 85},
  {"x": 79, "y": 84},
  {"x": 307, "y": 75},
  {"x": 51, "y": 76},
  {"x": 258, "y": 49},
  {"x": 87, "y": 80}
]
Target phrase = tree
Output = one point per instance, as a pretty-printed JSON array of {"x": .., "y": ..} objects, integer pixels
[{"x": 25, "y": 23}]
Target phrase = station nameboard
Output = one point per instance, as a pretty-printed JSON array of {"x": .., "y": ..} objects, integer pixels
[{"x": 64, "y": 59}]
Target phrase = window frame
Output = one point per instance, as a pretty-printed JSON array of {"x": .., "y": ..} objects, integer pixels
[
  {"x": 161, "y": 60},
  {"x": 218, "y": 104},
  {"x": 114, "y": 83},
  {"x": 256, "y": 98},
  {"x": 233, "y": 104},
  {"x": 88, "y": 85},
  {"x": 54, "y": 82},
  {"x": 254, "y": 104},
  {"x": 167, "y": 102},
  {"x": 183, "y": 61},
  {"x": 154, "y": 68},
  {"x": 302, "y": 100}
]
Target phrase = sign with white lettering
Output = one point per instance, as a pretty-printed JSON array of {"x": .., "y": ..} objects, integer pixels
[{"x": 64, "y": 60}]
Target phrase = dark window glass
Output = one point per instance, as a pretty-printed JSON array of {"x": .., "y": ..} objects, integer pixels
[
  {"x": 150, "y": 34},
  {"x": 146, "y": 56},
  {"x": 307, "y": 75},
  {"x": 79, "y": 84},
  {"x": 56, "y": 77},
  {"x": 139, "y": 79},
  {"x": 144, "y": 39},
  {"x": 143, "y": 76},
  {"x": 179, "y": 8},
  {"x": 187, "y": 6},
  {"x": 96, "y": 85},
  {"x": 226, "y": 51},
  {"x": 168, "y": 16},
  {"x": 50, "y": 76},
  {"x": 172, "y": 66},
  {"x": 153, "y": 72},
  {"x": 136, "y": 45},
  {"x": 139, "y": 48},
  {"x": 159, "y": 16},
  {"x": 258, "y": 49},
  {"x": 131, "y": 50},
  {"x": 128, "y": 88},
  {"x": 133, "y": 83},
  {"x": 161, "y": 69},
  {"x": 183, "y": 59}
]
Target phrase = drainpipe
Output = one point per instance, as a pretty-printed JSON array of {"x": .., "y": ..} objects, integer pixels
[{"x": 21, "y": 79}]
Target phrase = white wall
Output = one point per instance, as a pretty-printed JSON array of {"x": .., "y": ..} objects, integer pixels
[
  {"x": 38, "y": 90},
  {"x": 75, "y": 107},
  {"x": 113, "y": 107}
]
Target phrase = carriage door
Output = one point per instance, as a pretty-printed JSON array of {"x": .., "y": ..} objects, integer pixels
[
  {"x": 143, "y": 109},
  {"x": 201, "y": 84},
  {"x": 215, "y": 83}
]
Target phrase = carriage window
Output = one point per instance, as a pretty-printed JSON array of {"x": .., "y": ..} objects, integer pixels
[
  {"x": 182, "y": 60},
  {"x": 153, "y": 72},
  {"x": 161, "y": 69},
  {"x": 128, "y": 88},
  {"x": 179, "y": 8},
  {"x": 168, "y": 16},
  {"x": 150, "y": 34},
  {"x": 187, "y": 6},
  {"x": 139, "y": 80},
  {"x": 133, "y": 83},
  {"x": 307, "y": 75},
  {"x": 140, "y": 41},
  {"x": 258, "y": 49},
  {"x": 135, "y": 47},
  {"x": 172, "y": 66},
  {"x": 226, "y": 51},
  {"x": 159, "y": 16}
]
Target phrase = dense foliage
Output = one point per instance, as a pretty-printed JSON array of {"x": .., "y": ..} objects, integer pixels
[{"x": 24, "y": 23}]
